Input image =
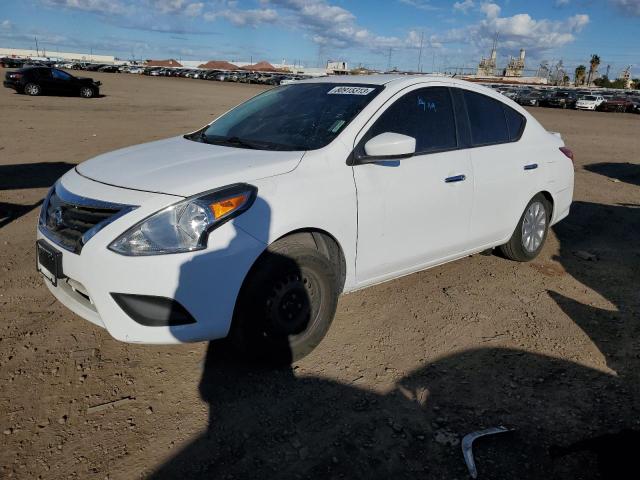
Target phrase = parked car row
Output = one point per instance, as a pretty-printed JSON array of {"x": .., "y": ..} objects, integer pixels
[
  {"x": 584, "y": 99},
  {"x": 240, "y": 76},
  {"x": 264, "y": 78}
]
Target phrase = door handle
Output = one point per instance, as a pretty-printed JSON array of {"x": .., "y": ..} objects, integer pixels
[
  {"x": 455, "y": 178},
  {"x": 531, "y": 166}
]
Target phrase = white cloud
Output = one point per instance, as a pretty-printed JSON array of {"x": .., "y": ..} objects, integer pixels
[
  {"x": 99, "y": 6},
  {"x": 168, "y": 6},
  {"x": 6, "y": 25},
  {"x": 463, "y": 6},
  {"x": 334, "y": 26},
  {"x": 241, "y": 18},
  {"x": 420, "y": 4},
  {"x": 491, "y": 10},
  {"x": 562, "y": 3},
  {"x": 537, "y": 36},
  {"x": 194, "y": 9},
  {"x": 631, "y": 7},
  {"x": 577, "y": 22},
  {"x": 137, "y": 9}
]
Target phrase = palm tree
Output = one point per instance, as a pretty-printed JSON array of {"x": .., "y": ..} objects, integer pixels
[
  {"x": 594, "y": 63},
  {"x": 579, "y": 75}
]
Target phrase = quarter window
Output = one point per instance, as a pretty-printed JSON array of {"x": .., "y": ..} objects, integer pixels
[
  {"x": 515, "y": 122},
  {"x": 426, "y": 115},
  {"x": 487, "y": 119}
]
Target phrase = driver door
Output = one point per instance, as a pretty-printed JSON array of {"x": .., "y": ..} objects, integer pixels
[
  {"x": 415, "y": 211},
  {"x": 63, "y": 82}
]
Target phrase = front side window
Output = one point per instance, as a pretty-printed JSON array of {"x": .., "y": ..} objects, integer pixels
[
  {"x": 292, "y": 117},
  {"x": 486, "y": 118},
  {"x": 60, "y": 75},
  {"x": 425, "y": 114}
]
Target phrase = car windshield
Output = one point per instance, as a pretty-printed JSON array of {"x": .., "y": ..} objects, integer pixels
[
  {"x": 291, "y": 117},
  {"x": 589, "y": 97}
]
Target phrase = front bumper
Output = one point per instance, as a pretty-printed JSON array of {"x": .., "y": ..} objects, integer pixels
[
  {"x": 12, "y": 85},
  {"x": 206, "y": 283}
]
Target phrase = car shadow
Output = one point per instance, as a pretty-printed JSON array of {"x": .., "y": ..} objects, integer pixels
[
  {"x": 569, "y": 420},
  {"x": 25, "y": 176},
  {"x": 624, "y": 172},
  {"x": 32, "y": 175}
]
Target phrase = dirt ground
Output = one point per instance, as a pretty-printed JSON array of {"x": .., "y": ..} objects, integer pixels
[{"x": 548, "y": 348}]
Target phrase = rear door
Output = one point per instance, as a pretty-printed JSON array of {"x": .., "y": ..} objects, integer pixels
[
  {"x": 414, "y": 211},
  {"x": 44, "y": 78},
  {"x": 504, "y": 169}
]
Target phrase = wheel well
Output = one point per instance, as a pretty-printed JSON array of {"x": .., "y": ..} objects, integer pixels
[
  {"x": 329, "y": 246},
  {"x": 549, "y": 198}
]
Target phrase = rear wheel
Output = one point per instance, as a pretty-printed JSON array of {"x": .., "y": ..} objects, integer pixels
[
  {"x": 287, "y": 302},
  {"x": 531, "y": 232},
  {"x": 32, "y": 89}
]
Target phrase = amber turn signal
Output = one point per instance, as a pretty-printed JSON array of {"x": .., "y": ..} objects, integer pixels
[{"x": 228, "y": 205}]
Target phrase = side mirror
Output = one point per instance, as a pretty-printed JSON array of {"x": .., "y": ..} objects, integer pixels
[{"x": 388, "y": 146}]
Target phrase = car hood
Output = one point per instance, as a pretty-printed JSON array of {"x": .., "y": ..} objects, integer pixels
[{"x": 178, "y": 166}]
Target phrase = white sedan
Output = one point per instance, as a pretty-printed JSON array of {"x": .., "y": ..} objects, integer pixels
[
  {"x": 589, "y": 102},
  {"x": 251, "y": 227}
]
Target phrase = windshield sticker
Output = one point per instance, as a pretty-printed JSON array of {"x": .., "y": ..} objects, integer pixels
[
  {"x": 337, "y": 125},
  {"x": 426, "y": 105},
  {"x": 344, "y": 90}
]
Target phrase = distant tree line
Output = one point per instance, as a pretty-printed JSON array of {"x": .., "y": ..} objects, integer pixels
[
  {"x": 617, "y": 83},
  {"x": 582, "y": 76}
]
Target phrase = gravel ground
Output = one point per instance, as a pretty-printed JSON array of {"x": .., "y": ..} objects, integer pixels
[{"x": 547, "y": 348}]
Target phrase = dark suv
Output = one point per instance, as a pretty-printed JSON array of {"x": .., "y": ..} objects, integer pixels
[
  {"x": 560, "y": 99},
  {"x": 39, "y": 80}
]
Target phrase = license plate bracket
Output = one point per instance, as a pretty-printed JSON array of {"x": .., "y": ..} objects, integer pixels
[{"x": 49, "y": 262}]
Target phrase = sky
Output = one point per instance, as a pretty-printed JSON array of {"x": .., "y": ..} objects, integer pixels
[{"x": 372, "y": 33}]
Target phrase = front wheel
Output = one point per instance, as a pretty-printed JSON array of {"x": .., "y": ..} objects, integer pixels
[
  {"x": 87, "y": 92},
  {"x": 531, "y": 232},
  {"x": 287, "y": 302}
]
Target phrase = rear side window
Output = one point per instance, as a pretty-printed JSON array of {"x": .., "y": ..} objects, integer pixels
[
  {"x": 43, "y": 73},
  {"x": 515, "y": 123},
  {"x": 486, "y": 118},
  {"x": 426, "y": 115}
]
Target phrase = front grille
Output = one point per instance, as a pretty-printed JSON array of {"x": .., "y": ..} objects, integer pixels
[{"x": 70, "y": 220}]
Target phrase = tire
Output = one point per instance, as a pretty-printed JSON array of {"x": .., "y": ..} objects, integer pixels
[
  {"x": 287, "y": 302},
  {"x": 87, "y": 92},
  {"x": 32, "y": 89},
  {"x": 525, "y": 244}
]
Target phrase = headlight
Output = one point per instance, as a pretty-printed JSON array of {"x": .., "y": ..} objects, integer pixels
[{"x": 185, "y": 226}]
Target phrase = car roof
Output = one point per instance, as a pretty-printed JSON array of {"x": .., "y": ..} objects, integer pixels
[
  {"x": 376, "y": 79},
  {"x": 35, "y": 67}
]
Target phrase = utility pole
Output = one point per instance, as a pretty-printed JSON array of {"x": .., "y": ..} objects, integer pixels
[
  {"x": 608, "y": 68},
  {"x": 420, "y": 54},
  {"x": 37, "y": 50},
  {"x": 389, "y": 61}
]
